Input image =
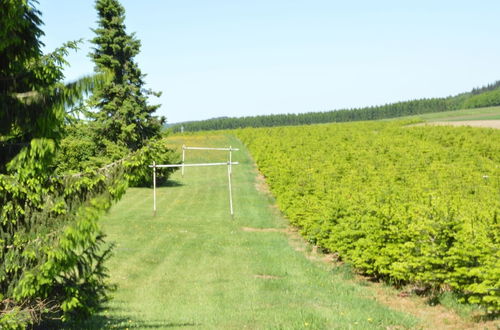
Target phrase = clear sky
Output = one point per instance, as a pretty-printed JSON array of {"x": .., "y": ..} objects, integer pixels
[{"x": 239, "y": 58}]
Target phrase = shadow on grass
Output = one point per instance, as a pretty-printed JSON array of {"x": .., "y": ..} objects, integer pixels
[
  {"x": 118, "y": 320},
  {"x": 161, "y": 183},
  {"x": 109, "y": 322},
  {"x": 171, "y": 183}
]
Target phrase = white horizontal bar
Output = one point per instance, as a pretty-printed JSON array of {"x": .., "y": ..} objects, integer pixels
[
  {"x": 189, "y": 165},
  {"x": 203, "y": 148}
]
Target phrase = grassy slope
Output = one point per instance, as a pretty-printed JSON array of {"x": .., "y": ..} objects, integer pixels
[
  {"x": 489, "y": 113},
  {"x": 193, "y": 266}
]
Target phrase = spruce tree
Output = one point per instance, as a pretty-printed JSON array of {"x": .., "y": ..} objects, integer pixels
[
  {"x": 33, "y": 98},
  {"x": 39, "y": 273},
  {"x": 123, "y": 114}
]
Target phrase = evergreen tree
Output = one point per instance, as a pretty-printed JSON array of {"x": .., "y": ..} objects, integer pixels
[
  {"x": 33, "y": 103},
  {"x": 33, "y": 99},
  {"x": 123, "y": 114}
]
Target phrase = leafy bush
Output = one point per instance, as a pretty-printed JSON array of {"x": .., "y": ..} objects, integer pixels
[
  {"x": 52, "y": 248},
  {"x": 82, "y": 149},
  {"x": 157, "y": 151},
  {"x": 53, "y": 252}
]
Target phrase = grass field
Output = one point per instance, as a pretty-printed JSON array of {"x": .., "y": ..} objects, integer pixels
[
  {"x": 193, "y": 266},
  {"x": 490, "y": 113}
]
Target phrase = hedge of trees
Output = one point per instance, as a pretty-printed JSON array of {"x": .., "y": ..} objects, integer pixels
[
  {"x": 59, "y": 173},
  {"x": 480, "y": 97}
]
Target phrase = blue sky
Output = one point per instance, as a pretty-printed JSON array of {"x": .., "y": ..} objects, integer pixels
[{"x": 240, "y": 58}]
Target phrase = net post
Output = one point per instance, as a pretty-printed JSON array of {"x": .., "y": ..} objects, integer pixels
[
  {"x": 183, "y": 158},
  {"x": 154, "y": 188},
  {"x": 230, "y": 190},
  {"x": 230, "y": 160}
]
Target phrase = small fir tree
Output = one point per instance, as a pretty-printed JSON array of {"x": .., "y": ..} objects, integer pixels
[{"x": 123, "y": 114}]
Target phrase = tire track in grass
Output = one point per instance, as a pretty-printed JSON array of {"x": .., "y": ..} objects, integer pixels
[
  {"x": 183, "y": 237},
  {"x": 163, "y": 273},
  {"x": 132, "y": 259}
]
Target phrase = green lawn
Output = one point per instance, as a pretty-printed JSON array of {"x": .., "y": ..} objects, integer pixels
[
  {"x": 192, "y": 265},
  {"x": 489, "y": 113}
]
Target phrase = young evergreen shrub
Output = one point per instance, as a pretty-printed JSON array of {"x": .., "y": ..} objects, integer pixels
[{"x": 406, "y": 204}]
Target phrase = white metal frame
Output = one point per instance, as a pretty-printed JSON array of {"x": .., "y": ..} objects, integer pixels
[
  {"x": 184, "y": 148},
  {"x": 229, "y": 164}
]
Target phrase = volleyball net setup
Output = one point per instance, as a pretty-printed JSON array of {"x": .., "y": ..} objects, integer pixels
[{"x": 183, "y": 164}]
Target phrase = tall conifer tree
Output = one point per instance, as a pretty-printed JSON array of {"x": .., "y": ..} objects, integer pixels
[
  {"x": 123, "y": 114},
  {"x": 33, "y": 98},
  {"x": 39, "y": 273}
]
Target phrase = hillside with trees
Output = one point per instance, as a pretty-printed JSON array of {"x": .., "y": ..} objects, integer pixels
[{"x": 479, "y": 97}]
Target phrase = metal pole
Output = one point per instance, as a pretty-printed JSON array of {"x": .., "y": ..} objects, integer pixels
[
  {"x": 193, "y": 165},
  {"x": 183, "y": 158},
  {"x": 230, "y": 160},
  {"x": 204, "y": 148},
  {"x": 230, "y": 192},
  {"x": 154, "y": 188}
]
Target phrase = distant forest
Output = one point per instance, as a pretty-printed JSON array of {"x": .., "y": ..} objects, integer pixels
[{"x": 479, "y": 97}]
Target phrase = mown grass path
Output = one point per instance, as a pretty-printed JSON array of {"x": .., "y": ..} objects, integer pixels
[{"x": 193, "y": 266}]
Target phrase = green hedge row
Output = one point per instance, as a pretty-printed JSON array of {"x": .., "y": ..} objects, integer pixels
[
  {"x": 408, "y": 204},
  {"x": 52, "y": 250}
]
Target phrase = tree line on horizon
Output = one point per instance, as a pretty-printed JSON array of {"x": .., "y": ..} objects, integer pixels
[{"x": 479, "y": 97}]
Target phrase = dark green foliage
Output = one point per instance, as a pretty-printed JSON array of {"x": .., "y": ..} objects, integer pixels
[
  {"x": 140, "y": 174},
  {"x": 481, "y": 97},
  {"x": 79, "y": 152},
  {"x": 32, "y": 98},
  {"x": 123, "y": 122},
  {"x": 20, "y": 54},
  {"x": 51, "y": 251},
  {"x": 123, "y": 114},
  {"x": 54, "y": 246},
  {"x": 79, "y": 149}
]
